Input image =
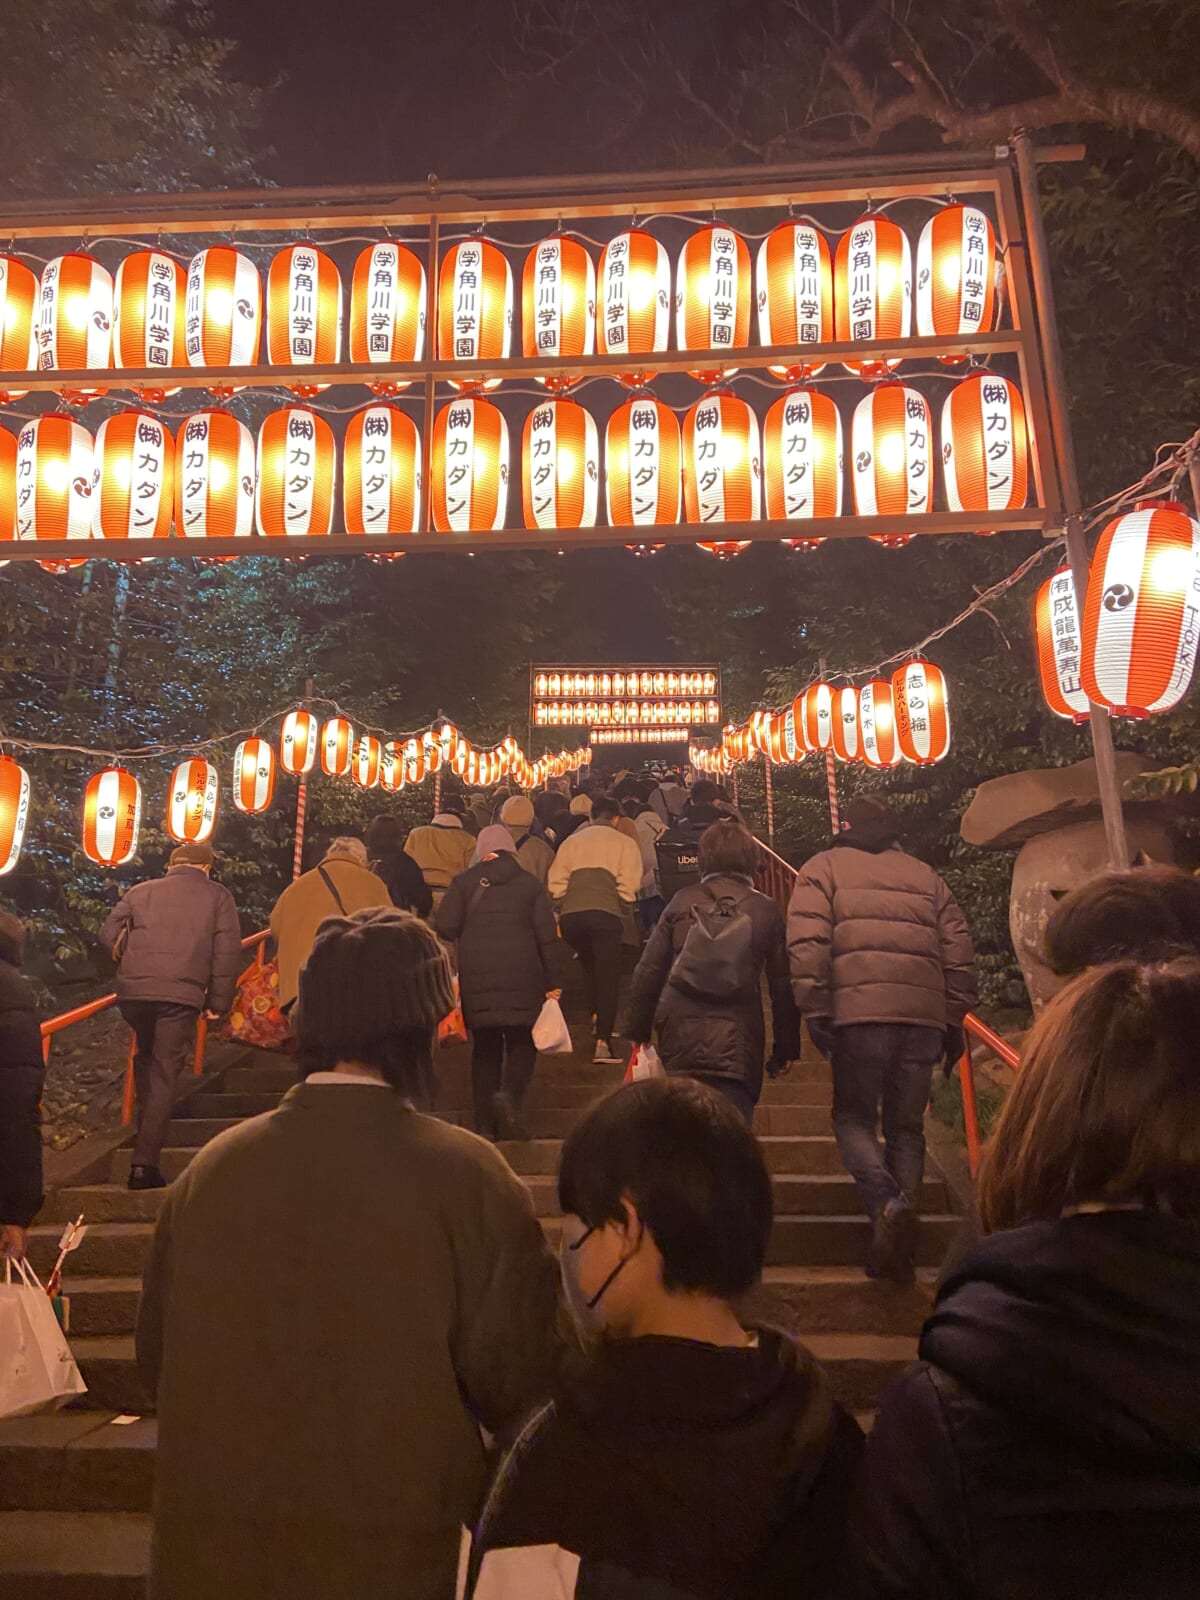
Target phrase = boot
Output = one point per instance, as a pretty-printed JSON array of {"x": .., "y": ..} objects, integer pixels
[
  {"x": 894, "y": 1243},
  {"x": 146, "y": 1178},
  {"x": 509, "y": 1123}
]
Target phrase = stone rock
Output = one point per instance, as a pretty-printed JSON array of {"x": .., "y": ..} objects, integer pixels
[{"x": 1007, "y": 811}]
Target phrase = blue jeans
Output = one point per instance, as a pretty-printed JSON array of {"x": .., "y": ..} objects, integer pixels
[{"x": 889, "y": 1064}]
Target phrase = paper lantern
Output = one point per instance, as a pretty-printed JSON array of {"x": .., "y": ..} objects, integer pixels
[
  {"x": 297, "y": 474},
  {"x": 793, "y": 744},
  {"x": 382, "y": 465},
  {"x": 776, "y": 742},
  {"x": 475, "y": 307},
  {"x": 877, "y": 724},
  {"x": 214, "y": 477},
  {"x": 721, "y": 465},
  {"x": 814, "y": 720},
  {"x": 642, "y": 482},
  {"x": 368, "y": 754},
  {"x": 253, "y": 776},
  {"x": 14, "y": 812},
  {"x": 387, "y": 309},
  {"x": 148, "y": 317},
  {"x": 75, "y": 319},
  {"x": 1058, "y": 638},
  {"x": 803, "y": 460},
  {"x": 223, "y": 311},
  {"x": 192, "y": 801},
  {"x": 8, "y": 488},
  {"x": 304, "y": 312},
  {"x": 55, "y": 482},
  {"x": 922, "y": 711},
  {"x": 112, "y": 817},
  {"x": 560, "y": 466},
  {"x": 19, "y": 308},
  {"x": 298, "y": 743},
  {"x": 873, "y": 290},
  {"x": 794, "y": 282},
  {"x": 846, "y": 729},
  {"x": 414, "y": 761},
  {"x": 956, "y": 275},
  {"x": 1142, "y": 612},
  {"x": 135, "y": 466},
  {"x": 391, "y": 767},
  {"x": 712, "y": 296},
  {"x": 634, "y": 309},
  {"x": 337, "y": 748},
  {"x": 558, "y": 305},
  {"x": 432, "y": 749},
  {"x": 469, "y": 466},
  {"x": 893, "y": 456},
  {"x": 759, "y": 731},
  {"x": 985, "y": 445}
]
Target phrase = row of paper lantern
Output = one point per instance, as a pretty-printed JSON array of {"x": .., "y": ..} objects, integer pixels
[{"x": 155, "y": 315}]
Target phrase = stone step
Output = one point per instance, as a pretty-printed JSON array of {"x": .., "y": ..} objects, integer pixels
[
  {"x": 110, "y": 1250},
  {"x": 808, "y": 1300},
  {"x": 77, "y": 1461},
  {"x": 70, "y": 1555},
  {"x": 100, "y": 1306},
  {"x": 558, "y": 1071}
]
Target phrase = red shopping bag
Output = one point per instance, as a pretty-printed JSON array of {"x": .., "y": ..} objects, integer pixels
[{"x": 256, "y": 1018}]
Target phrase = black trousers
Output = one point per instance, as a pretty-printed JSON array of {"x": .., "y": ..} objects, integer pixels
[
  {"x": 165, "y": 1034},
  {"x": 595, "y": 937},
  {"x": 501, "y": 1058}
]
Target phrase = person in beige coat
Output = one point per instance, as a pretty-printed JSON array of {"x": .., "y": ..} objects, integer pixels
[
  {"x": 341, "y": 882},
  {"x": 442, "y": 849}
]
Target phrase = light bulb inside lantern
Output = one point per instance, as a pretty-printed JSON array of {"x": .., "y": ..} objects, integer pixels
[
  {"x": 733, "y": 451},
  {"x": 55, "y": 476},
  {"x": 218, "y": 474},
  {"x": 891, "y": 452},
  {"x": 641, "y": 290},
  {"x": 123, "y": 473},
  {"x": 76, "y": 312},
  {"x": 219, "y": 305},
  {"x": 566, "y": 467},
  {"x": 1171, "y": 571},
  {"x": 10, "y": 315},
  {"x": 951, "y": 272}
]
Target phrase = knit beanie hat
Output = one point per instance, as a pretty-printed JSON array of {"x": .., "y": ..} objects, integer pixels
[
  {"x": 195, "y": 853},
  {"x": 492, "y": 841},
  {"x": 517, "y": 812},
  {"x": 581, "y": 806}
]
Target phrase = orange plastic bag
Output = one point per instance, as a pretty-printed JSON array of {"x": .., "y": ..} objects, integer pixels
[{"x": 452, "y": 1027}]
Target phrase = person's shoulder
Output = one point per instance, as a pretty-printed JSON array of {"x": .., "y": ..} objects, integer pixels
[{"x": 459, "y": 1151}]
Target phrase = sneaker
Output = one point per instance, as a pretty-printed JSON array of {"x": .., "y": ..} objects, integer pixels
[
  {"x": 509, "y": 1126},
  {"x": 146, "y": 1178},
  {"x": 603, "y": 1054},
  {"x": 894, "y": 1243}
]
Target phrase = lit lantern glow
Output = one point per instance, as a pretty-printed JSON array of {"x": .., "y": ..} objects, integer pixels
[
  {"x": 815, "y": 720},
  {"x": 253, "y": 776},
  {"x": 297, "y": 474},
  {"x": 985, "y": 445},
  {"x": 634, "y": 311},
  {"x": 55, "y": 482},
  {"x": 112, "y": 817},
  {"x": 382, "y": 466},
  {"x": 214, "y": 477},
  {"x": 956, "y": 275},
  {"x": 192, "y": 801},
  {"x": 803, "y": 460},
  {"x": 432, "y": 748},
  {"x": 75, "y": 320},
  {"x": 18, "y": 322},
  {"x": 135, "y": 465},
  {"x": 873, "y": 289},
  {"x": 721, "y": 465},
  {"x": 642, "y": 481},
  {"x": 14, "y": 812},
  {"x": 558, "y": 305},
  {"x": 475, "y": 307},
  {"x": 469, "y": 467},
  {"x": 795, "y": 294},
  {"x": 560, "y": 466},
  {"x": 1059, "y": 641},
  {"x": 414, "y": 761},
  {"x": 223, "y": 311},
  {"x": 891, "y": 446},
  {"x": 8, "y": 488},
  {"x": 298, "y": 743},
  {"x": 1142, "y": 610},
  {"x": 304, "y": 312},
  {"x": 337, "y": 748},
  {"x": 387, "y": 309},
  {"x": 712, "y": 296},
  {"x": 368, "y": 756},
  {"x": 148, "y": 317},
  {"x": 922, "y": 710},
  {"x": 391, "y": 767},
  {"x": 846, "y": 728},
  {"x": 793, "y": 744},
  {"x": 759, "y": 729},
  {"x": 877, "y": 724}
]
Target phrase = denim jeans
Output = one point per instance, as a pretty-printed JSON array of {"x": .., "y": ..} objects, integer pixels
[{"x": 889, "y": 1064}]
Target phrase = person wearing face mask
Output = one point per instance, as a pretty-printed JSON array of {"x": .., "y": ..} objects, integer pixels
[{"x": 687, "y": 1456}]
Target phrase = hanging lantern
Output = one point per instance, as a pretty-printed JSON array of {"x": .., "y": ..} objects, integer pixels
[
  {"x": 985, "y": 445},
  {"x": 253, "y": 776},
  {"x": 558, "y": 306},
  {"x": 922, "y": 711},
  {"x": 712, "y": 296},
  {"x": 55, "y": 482},
  {"x": 873, "y": 290},
  {"x": 560, "y": 466},
  {"x": 192, "y": 801},
  {"x": 758, "y": 730},
  {"x": 223, "y": 311},
  {"x": 297, "y": 474},
  {"x": 721, "y": 465},
  {"x": 414, "y": 761},
  {"x": 337, "y": 748},
  {"x": 803, "y": 460},
  {"x": 214, "y": 477},
  {"x": 382, "y": 466},
  {"x": 14, "y": 812},
  {"x": 814, "y": 716},
  {"x": 956, "y": 275},
  {"x": 1142, "y": 609},
  {"x": 1059, "y": 642},
  {"x": 298, "y": 743},
  {"x": 391, "y": 767},
  {"x": 877, "y": 724},
  {"x": 795, "y": 294},
  {"x": 432, "y": 750},
  {"x": 368, "y": 755},
  {"x": 148, "y": 317},
  {"x": 135, "y": 467},
  {"x": 634, "y": 310},
  {"x": 304, "y": 312},
  {"x": 19, "y": 309},
  {"x": 793, "y": 744},
  {"x": 112, "y": 817},
  {"x": 387, "y": 309},
  {"x": 470, "y": 467},
  {"x": 75, "y": 320},
  {"x": 846, "y": 729},
  {"x": 475, "y": 307},
  {"x": 893, "y": 457},
  {"x": 642, "y": 483}
]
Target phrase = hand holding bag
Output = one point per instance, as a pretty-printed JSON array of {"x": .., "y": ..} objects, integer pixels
[
  {"x": 37, "y": 1369},
  {"x": 645, "y": 1062},
  {"x": 550, "y": 1032}
]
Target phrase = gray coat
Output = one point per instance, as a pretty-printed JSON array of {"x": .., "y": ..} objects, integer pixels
[{"x": 183, "y": 941}]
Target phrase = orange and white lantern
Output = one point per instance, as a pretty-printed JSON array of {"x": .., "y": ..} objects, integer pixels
[
  {"x": 304, "y": 312},
  {"x": 922, "y": 710},
  {"x": 469, "y": 467},
  {"x": 387, "y": 309},
  {"x": 391, "y": 767},
  {"x": 1058, "y": 635},
  {"x": 8, "y": 488},
  {"x": 297, "y": 475},
  {"x": 298, "y": 743},
  {"x": 558, "y": 304},
  {"x": 19, "y": 308},
  {"x": 642, "y": 480},
  {"x": 795, "y": 294},
  {"x": 112, "y": 817},
  {"x": 135, "y": 465},
  {"x": 382, "y": 466},
  {"x": 56, "y": 482},
  {"x": 431, "y": 745},
  {"x": 337, "y": 748},
  {"x": 1141, "y": 617},
  {"x": 956, "y": 275},
  {"x": 892, "y": 451},
  {"x": 148, "y": 317},
  {"x": 713, "y": 292},
  {"x": 877, "y": 724},
  {"x": 985, "y": 445},
  {"x": 793, "y": 742},
  {"x": 873, "y": 290},
  {"x": 223, "y": 310},
  {"x": 192, "y": 801},
  {"x": 414, "y": 761},
  {"x": 214, "y": 477},
  {"x": 721, "y": 469},
  {"x": 803, "y": 460},
  {"x": 560, "y": 466},
  {"x": 814, "y": 719},
  {"x": 633, "y": 314},
  {"x": 14, "y": 812},
  {"x": 475, "y": 307},
  {"x": 253, "y": 776},
  {"x": 368, "y": 756},
  {"x": 75, "y": 319},
  {"x": 846, "y": 728}
]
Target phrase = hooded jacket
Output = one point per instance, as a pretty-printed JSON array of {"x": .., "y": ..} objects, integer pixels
[
  {"x": 304, "y": 905},
  {"x": 182, "y": 941},
  {"x": 22, "y": 1076},
  {"x": 508, "y": 951},
  {"x": 1056, "y": 1421},
  {"x": 666, "y": 1469},
  {"x": 441, "y": 849}
]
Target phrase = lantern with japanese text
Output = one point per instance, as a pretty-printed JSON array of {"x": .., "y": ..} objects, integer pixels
[
  {"x": 298, "y": 743},
  {"x": 223, "y": 311},
  {"x": 112, "y": 817},
  {"x": 14, "y": 812},
  {"x": 368, "y": 755},
  {"x": 721, "y": 465},
  {"x": 1059, "y": 642},
  {"x": 135, "y": 465},
  {"x": 55, "y": 482},
  {"x": 337, "y": 748},
  {"x": 642, "y": 480},
  {"x": 192, "y": 801},
  {"x": 431, "y": 745},
  {"x": 891, "y": 447},
  {"x": 391, "y": 767},
  {"x": 414, "y": 761},
  {"x": 795, "y": 294},
  {"x": 560, "y": 466},
  {"x": 75, "y": 319},
  {"x": 814, "y": 719},
  {"x": 1141, "y": 617},
  {"x": 922, "y": 711},
  {"x": 803, "y": 460},
  {"x": 253, "y": 776},
  {"x": 873, "y": 290},
  {"x": 297, "y": 474},
  {"x": 713, "y": 292},
  {"x": 382, "y": 472},
  {"x": 304, "y": 312},
  {"x": 956, "y": 275},
  {"x": 846, "y": 728},
  {"x": 633, "y": 314},
  {"x": 793, "y": 743},
  {"x": 214, "y": 477},
  {"x": 387, "y": 309},
  {"x": 8, "y": 488},
  {"x": 558, "y": 304},
  {"x": 148, "y": 317},
  {"x": 475, "y": 307},
  {"x": 18, "y": 322},
  {"x": 877, "y": 724},
  {"x": 985, "y": 445},
  {"x": 469, "y": 467}
]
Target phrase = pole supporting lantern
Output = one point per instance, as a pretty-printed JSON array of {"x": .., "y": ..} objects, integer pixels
[{"x": 301, "y": 802}]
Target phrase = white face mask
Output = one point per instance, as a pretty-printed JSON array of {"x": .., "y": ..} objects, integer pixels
[{"x": 583, "y": 1309}]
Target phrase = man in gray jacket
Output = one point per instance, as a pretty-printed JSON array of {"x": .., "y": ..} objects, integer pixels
[
  {"x": 179, "y": 944},
  {"x": 883, "y": 970}
]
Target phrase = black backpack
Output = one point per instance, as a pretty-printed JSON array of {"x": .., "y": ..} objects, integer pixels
[{"x": 717, "y": 961}]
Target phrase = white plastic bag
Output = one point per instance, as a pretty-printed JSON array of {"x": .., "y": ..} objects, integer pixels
[
  {"x": 646, "y": 1063},
  {"x": 550, "y": 1032},
  {"x": 37, "y": 1369}
]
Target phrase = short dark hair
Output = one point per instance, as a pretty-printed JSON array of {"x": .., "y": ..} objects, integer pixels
[
  {"x": 704, "y": 791},
  {"x": 693, "y": 1169},
  {"x": 728, "y": 846},
  {"x": 604, "y": 807},
  {"x": 454, "y": 805},
  {"x": 1118, "y": 916},
  {"x": 384, "y": 833}
]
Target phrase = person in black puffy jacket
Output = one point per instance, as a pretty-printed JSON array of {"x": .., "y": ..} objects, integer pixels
[
  {"x": 389, "y": 861},
  {"x": 22, "y": 1076}
]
